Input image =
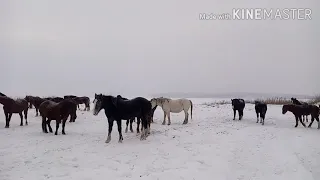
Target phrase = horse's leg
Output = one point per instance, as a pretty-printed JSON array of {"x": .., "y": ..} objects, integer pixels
[
  {"x": 44, "y": 125},
  {"x": 169, "y": 119},
  {"x": 6, "y": 114},
  {"x": 9, "y": 118},
  {"x": 138, "y": 124},
  {"x": 131, "y": 121},
  {"x": 21, "y": 118},
  {"x": 64, "y": 125},
  {"x": 164, "y": 118},
  {"x": 127, "y": 123},
  {"x": 306, "y": 118},
  {"x": 262, "y": 117},
  {"x": 37, "y": 110},
  {"x": 234, "y": 114},
  {"x": 297, "y": 120},
  {"x": 317, "y": 118},
  {"x": 301, "y": 121},
  {"x": 49, "y": 125},
  {"x": 186, "y": 117},
  {"x": 312, "y": 119},
  {"x": 257, "y": 117},
  {"x": 26, "y": 115},
  {"x": 240, "y": 114},
  {"x": 110, "y": 124},
  {"x": 120, "y": 131},
  {"x": 144, "y": 132},
  {"x": 57, "y": 126}
]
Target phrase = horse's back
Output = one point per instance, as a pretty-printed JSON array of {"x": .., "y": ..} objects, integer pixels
[
  {"x": 135, "y": 107},
  {"x": 22, "y": 103}
]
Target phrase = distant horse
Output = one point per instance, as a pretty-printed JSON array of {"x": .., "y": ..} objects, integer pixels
[
  {"x": 11, "y": 106},
  {"x": 238, "y": 105},
  {"x": 29, "y": 100},
  {"x": 299, "y": 110},
  {"x": 83, "y": 100},
  {"x": 261, "y": 109},
  {"x": 295, "y": 101},
  {"x": 174, "y": 106},
  {"x": 117, "y": 109},
  {"x": 50, "y": 110},
  {"x": 1, "y": 94},
  {"x": 54, "y": 99},
  {"x": 36, "y": 101}
]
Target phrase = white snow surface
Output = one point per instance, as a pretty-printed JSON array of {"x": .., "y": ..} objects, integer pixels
[{"x": 210, "y": 146}]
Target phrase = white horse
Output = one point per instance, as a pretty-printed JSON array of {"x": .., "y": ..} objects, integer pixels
[{"x": 174, "y": 106}]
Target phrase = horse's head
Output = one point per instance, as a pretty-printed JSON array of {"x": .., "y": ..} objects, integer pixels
[
  {"x": 153, "y": 102},
  {"x": 284, "y": 109},
  {"x": 97, "y": 104}
]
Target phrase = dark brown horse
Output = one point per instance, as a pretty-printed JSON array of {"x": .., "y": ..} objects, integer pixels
[
  {"x": 83, "y": 100},
  {"x": 36, "y": 101},
  {"x": 28, "y": 98},
  {"x": 1, "y": 94},
  {"x": 299, "y": 110},
  {"x": 50, "y": 110},
  {"x": 11, "y": 106},
  {"x": 296, "y": 102}
]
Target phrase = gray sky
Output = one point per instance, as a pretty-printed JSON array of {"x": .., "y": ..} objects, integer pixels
[{"x": 143, "y": 47}]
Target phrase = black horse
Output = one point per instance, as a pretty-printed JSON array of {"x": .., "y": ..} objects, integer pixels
[
  {"x": 117, "y": 109},
  {"x": 238, "y": 105},
  {"x": 1, "y": 94},
  {"x": 296, "y": 102},
  {"x": 261, "y": 109}
]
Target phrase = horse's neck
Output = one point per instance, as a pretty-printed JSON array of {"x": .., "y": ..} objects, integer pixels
[{"x": 4, "y": 100}]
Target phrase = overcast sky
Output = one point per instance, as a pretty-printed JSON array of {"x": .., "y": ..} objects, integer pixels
[{"x": 56, "y": 47}]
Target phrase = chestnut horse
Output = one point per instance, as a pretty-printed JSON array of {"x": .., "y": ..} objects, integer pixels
[
  {"x": 50, "y": 110},
  {"x": 11, "y": 106}
]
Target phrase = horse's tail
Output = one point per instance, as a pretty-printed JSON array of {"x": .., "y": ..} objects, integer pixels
[{"x": 191, "y": 108}]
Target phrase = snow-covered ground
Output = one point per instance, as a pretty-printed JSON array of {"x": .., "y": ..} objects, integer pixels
[{"x": 210, "y": 146}]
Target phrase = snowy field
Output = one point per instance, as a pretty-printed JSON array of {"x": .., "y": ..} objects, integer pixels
[{"x": 210, "y": 146}]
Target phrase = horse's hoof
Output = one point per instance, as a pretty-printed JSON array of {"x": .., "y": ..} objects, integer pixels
[
  {"x": 168, "y": 124},
  {"x": 21, "y": 124},
  {"x": 6, "y": 127},
  {"x": 64, "y": 133},
  {"x": 120, "y": 141},
  {"x": 107, "y": 141},
  {"x": 55, "y": 133},
  {"x": 131, "y": 131}
]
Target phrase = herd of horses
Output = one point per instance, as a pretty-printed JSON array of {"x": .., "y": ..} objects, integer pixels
[
  {"x": 298, "y": 109},
  {"x": 119, "y": 108}
]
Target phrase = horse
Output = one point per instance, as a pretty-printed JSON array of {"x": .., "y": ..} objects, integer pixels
[
  {"x": 299, "y": 110},
  {"x": 174, "y": 106},
  {"x": 11, "y": 106},
  {"x": 117, "y": 109},
  {"x": 28, "y": 98},
  {"x": 1, "y": 94},
  {"x": 36, "y": 101},
  {"x": 238, "y": 105},
  {"x": 296, "y": 102},
  {"x": 50, "y": 110},
  {"x": 261, "y": 109},
  {"x": 83, "y": 100}
]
